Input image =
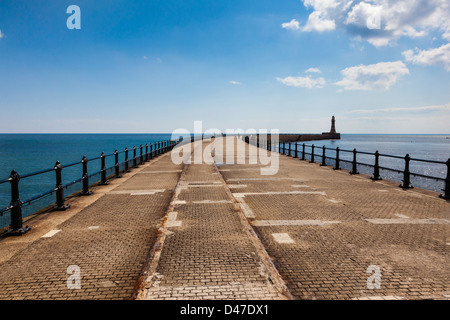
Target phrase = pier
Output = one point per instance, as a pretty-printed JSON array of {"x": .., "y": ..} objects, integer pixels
[{"x": 213, "y": 230}]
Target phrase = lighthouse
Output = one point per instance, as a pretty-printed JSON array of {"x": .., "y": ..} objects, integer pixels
[
  {"x": 332, "y": 135},
  {"x": 333, "y": 125}
]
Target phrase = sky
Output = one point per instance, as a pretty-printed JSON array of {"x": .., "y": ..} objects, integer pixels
[{"x": 380, "y": 66}]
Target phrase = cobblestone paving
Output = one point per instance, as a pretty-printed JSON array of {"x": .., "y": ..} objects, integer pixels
[
  {"x": 109, "y": 241},
  {"x": 210, "y": 255},
  {"x": 179, "y": 232},
  {"x": 375, "y": 225}
]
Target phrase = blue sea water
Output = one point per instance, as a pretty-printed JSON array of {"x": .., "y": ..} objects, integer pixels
[
  {"x": 426, "y": 147},
  {"x": 28, "y": 153}
]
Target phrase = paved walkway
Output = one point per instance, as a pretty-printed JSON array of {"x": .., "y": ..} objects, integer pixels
[
  {"x": 330, "y": 233},
  {"x": 109, "y": 240},
  {"x": 209, "y": 250},
  {"x": 216, "y": 231}
]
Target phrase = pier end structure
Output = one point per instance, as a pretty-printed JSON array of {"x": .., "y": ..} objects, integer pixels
[{"x": 291, "y": 137}]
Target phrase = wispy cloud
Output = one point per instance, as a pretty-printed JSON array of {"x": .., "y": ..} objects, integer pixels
[
  {"x": 291, "y": 25},
  {"x": 380, "y": 76},
  {"x": 303, "y": 82},
  {"x": 313, "y": 70},
  {"x": 1, "y": 34},
  {"x": 445, "y": 107},
  {"x": 235, "y": 82},
  {"x": 436, "y": 56}
]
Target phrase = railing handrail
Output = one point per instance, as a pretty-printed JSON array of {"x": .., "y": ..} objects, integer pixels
[
  {"x": 147, "y": 152},
  {"x": 381, "y": 155},
  {"x": 376, "y": 174}
]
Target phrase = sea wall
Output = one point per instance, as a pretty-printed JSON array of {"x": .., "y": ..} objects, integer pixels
[{"x": 306, "y": 137}]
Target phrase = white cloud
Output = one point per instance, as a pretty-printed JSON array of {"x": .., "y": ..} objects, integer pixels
[
  {"x": 365, "y": 15},
  {"x": 303, "y": 82},
  {"x": 321, "y": 5},
  {"x": 380, "y": 22},
  {"x": 317, "y": 21},
  {"x": 436, "y": 56},
  {"x": 292, "y": 25},
  {"x": 1, "y": 34},
  {"x": 380, "y": 76},
  {"x": 313, "y": 70},
  {"x": 235, "y": 82},
  {"x": 445, "y": 107}
]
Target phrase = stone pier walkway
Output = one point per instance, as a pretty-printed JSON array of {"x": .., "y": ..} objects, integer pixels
[
  {"x": 224, "y": 231},
  {"x": 107, "y": 235},
  {"x": 209, "y": 251},
  {"x": 331, "y": 234}
]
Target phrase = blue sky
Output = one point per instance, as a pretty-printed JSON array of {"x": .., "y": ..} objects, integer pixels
[{"x": 380, "y": 66}]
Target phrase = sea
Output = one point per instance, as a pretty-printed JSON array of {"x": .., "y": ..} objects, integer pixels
[{"x": 28, "y": 153}]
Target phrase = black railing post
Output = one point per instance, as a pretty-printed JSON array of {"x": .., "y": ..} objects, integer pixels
[
  {"x": 336, "y": 166},
  {"x": 59, "y": 188},
  {"x": 303, "y": 152},
  {"x": 312, "y": 154},
  {"x": 279, "y": 147},
  {"x": 354, "y": 163},
  {"x": 127, "y": 165},
  {"x": 85, "y": 178},
  {"x": 376, "y": 168},
  {"x": 406, "y": 174},
  {"x": 116, "y": 164},
  {"x": 146, "y": 152},
  {"x": 17, "y": 228},
  {"x": 141, "y": 158},
  {"x": 447, "y": 183},
  {"x": 324, "y": 163},
  {"x": 103, "y": 170},
  {"x": 296, "y": 150},
  {"x": 134, "y": 157},
  {"x": 151, "y": 151}
]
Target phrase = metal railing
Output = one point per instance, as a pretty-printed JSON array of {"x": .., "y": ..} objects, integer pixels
[
  {"x": 139, "y": 155},
  {"x": 301, "y": 151}
]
